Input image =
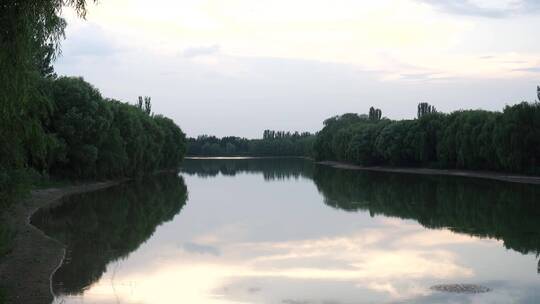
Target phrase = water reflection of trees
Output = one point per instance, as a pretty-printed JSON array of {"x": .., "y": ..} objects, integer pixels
[
  {"x": 107, "y": 225},
  {"x": 504, "y": 211},
  {"x": 271, "y": 168},
  {"x": 104, "y": 226},
  {"x": 483, "y": 208}
]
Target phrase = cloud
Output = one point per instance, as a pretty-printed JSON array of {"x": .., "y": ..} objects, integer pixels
[
  {"x": 291, "y": 301},
  {"x": 223, "y": 98},
  {"x": 535, "y": 69},
  {"x": 201, "y": 51},
  {"x": 486, "y": 8},
  {"x": 201, "y": 249},
  {"x": 89, "y": 40},
  {"x": 421, "y": 76}
]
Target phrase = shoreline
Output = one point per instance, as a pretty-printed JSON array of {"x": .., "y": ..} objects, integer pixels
[
  {"x": 243, "y": 157},
  {"x": 26, "y": 271},
  {"x": 504, "y": 177}
]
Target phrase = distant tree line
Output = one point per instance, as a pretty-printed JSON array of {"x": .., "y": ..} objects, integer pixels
[
  {"x": 273, "y": 143},
  {"x": 465, "y": 139}
]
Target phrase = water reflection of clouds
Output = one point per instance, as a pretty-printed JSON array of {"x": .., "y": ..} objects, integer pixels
[
  {"x": 241, "y": 241},
  {"x": 390, "y": 262},
  {"x": 376, "y": 259}
]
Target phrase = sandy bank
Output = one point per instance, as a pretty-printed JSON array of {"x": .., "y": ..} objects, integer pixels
[
  {"x": 25, "y": 273},
  {"x": 464, "y": 173}
]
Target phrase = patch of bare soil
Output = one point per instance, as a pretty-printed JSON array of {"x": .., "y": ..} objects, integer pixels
[{"x": 26, "y": 272}]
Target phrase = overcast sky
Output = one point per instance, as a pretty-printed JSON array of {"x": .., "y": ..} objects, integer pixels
[{"x": 237, "y": 67}]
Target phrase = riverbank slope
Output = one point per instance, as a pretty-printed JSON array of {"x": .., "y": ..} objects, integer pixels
[
  {"x": 506, "y": 177},
  {"x": 25, "y": 272}
]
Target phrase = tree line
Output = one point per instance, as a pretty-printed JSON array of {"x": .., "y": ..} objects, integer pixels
[
  {"x": 82, "y": 135},
  {"x": 464, "y": 139},
  {"x": 273, "y": 143},
  {"x": 93, "y": 137},
  {"x": 62, "y": 126}
]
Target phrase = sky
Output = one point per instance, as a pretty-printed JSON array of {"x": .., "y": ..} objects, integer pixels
[{"x": 238, "y": 67}]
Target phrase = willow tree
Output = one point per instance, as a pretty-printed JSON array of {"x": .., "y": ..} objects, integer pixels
[{"x": 30, "y": 35}]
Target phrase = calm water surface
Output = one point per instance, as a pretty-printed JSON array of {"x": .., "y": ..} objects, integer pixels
[{"x": 288, "y": 231}]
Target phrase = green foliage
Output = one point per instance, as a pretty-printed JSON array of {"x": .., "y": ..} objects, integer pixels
[
  {"x": 174, "y": 143},
  {"x": 29, "y": 36},
  {"x": 362, "y": 144},
  {"x": 6, "y": 245},
  {"x": 76, "y": 133},
  {"x": 473, "y": 139},
  {"x": 81, "y": 119},
  {"x": 145, "y": 106},
  {"x": 322, "y": 148},
  {"x": 2, "y": 296},
  {"x": 425, "y": 108},
  {"x": 30, "y": 32},
  {"x": 395, "y": 143},
  {"x": 6, "y": 240},
  {"x": 517, "y": 138},
  {"x": 108, "y": 138},
  {"x": 13, "y": 183},
  {"x": 375, "y": 114},
  {"x": 273, "y": 143}
]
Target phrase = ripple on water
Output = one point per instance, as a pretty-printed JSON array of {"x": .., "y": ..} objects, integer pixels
[{"x": 461, "y": 288}]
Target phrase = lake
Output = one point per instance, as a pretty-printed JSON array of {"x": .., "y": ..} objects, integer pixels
[{"x": 293, "y": 232}]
